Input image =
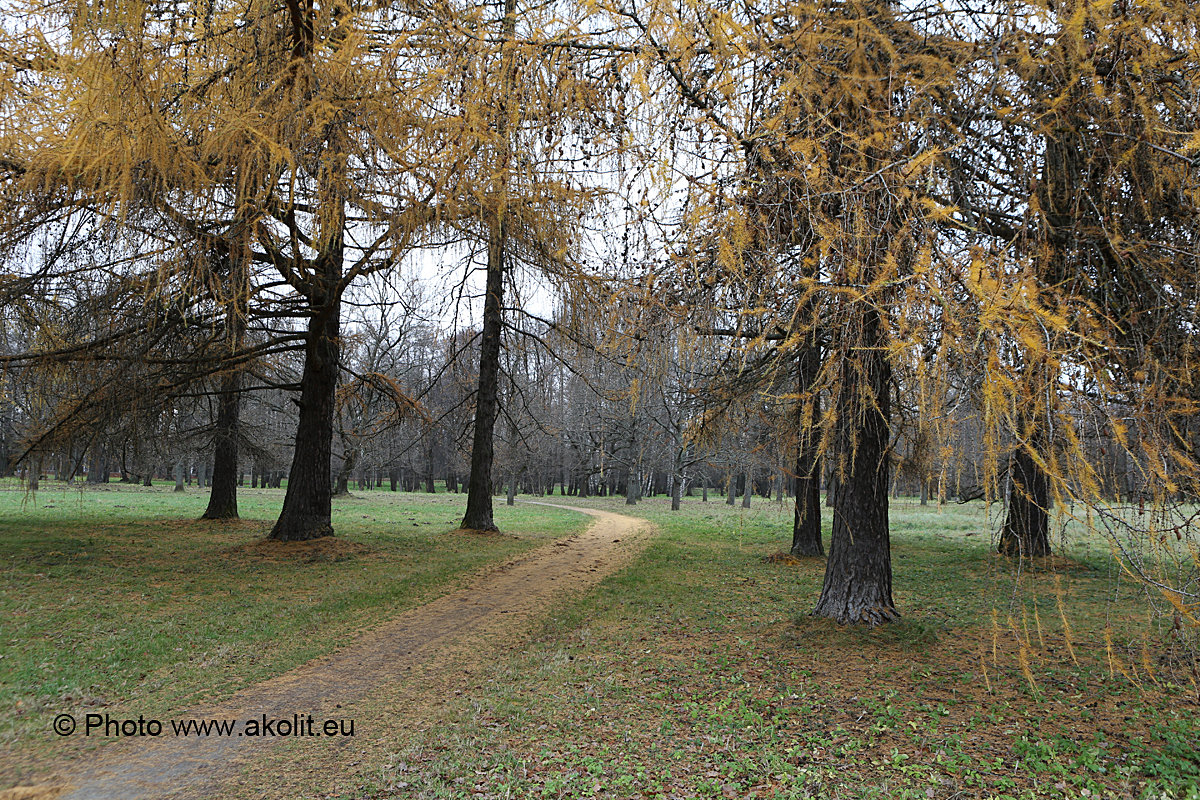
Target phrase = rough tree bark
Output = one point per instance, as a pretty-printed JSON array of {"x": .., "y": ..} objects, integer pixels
[
  {"x": 306, "y": 512},
  {"x": 479, "y": 489},
  {"x": 1026, "y": 531},
  {"x": 343, "y": 478},
  {"x": 858, "y": 574}
]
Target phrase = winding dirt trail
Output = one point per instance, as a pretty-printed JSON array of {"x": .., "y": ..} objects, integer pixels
[{"x": 470, "y": 627}]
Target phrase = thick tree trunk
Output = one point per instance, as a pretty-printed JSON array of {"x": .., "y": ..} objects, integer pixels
[
  {"x": 747, "y": 489},
  {"x": 858, "y": 574},
  {"x": 1026, "y": 531},
  {"x": 222, "y": 500},
  {"x": 179, "y": 475},
  {"x": 343, "y": 478},
  {"x": 806, "y": 525},
  {"x": 479, "y": 490},
  {"x": 306, "y": 510},
  {"x": 97, "y": 465}
]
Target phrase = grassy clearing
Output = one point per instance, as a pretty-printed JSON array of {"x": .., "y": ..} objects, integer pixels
[
  {"x": 697, "y": 673},
  {"x": 118, "y": 599}
]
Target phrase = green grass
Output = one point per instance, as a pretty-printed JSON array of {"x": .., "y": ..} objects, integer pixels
[
  {"x": 118, "y": 599},
  {"x": 698, "y": 673}
]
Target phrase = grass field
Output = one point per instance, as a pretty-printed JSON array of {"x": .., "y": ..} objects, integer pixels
[
  {"x": 119, "y": 599},
  {"x": 696, "y": 672}
]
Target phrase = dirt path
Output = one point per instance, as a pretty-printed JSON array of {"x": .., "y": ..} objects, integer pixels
[{"x": 469, "y": 626}]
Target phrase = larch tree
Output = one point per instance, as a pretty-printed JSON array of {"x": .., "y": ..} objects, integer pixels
[
  {"x": 533, "y": 104},
  {"x": 270, "y": 134},
  {"x": 830, "y": 157}
]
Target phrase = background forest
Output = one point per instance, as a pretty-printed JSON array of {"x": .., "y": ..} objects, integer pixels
[{"x": 821, "y": 253}]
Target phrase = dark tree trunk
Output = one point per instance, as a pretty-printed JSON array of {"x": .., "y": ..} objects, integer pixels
[
  {"x": 806, "y": 527},
  {"x": 222, "y": 500},
  {"x": 342, "y": 485},
  {"x": 1026, "y": 531},
  {"x": 479, "y": 489},
  {"x": 97, "y": 464},
  {"x": 148, "y": 478},
  {"x": 392, "y": 479},
  {"x": 747, "y": 489},
  {"x": 631, "y": 482},
  {"x": 306, "y": 510},
  {"x": 179, "y": 475},
  {"x": 858, "y": 573},
  {"x": 730, "y": 489}
]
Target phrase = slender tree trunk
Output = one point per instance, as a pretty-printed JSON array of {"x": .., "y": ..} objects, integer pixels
[
  {"x": 306, "y": 510},
  {"x": 806, "y": 525},
  {"x": 222, "y": 500},
  {"x": 479, "y": 490},
  {"x": 730, "y": 488},
  {"x": 479, "y": 493},
  {"x": 747, "y": 489},
  {"x": 858, "y": 573},
  {"x": 179, "y": 475}
]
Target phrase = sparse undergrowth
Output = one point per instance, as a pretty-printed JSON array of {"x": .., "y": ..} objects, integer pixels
[
  {"x": 696, "y": 673},
  {"x": 119, "y": 600}
]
